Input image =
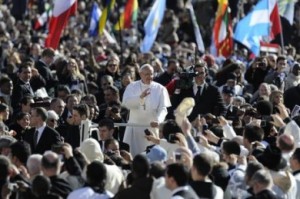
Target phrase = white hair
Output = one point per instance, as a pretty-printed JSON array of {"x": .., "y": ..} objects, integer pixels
[
  {"x": 34, "y": 164},
  {"x": 146, "y": 67}
]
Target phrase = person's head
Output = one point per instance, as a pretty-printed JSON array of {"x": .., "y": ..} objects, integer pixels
[
  {"x": 33, "y": 165},
  {"x": 112, "y": 145},
  {"x": 57, "y": 105},
  {"x": 111, "y": 93},
  {"x": 272, "y": 60},
  {"x": 73, "y": 67},
  {"x": 38, "y": 116},
  {"x": 6, "y": 85},
  {"x": 295, "y": 160},
  {"x": 23, "y": 119},
  {"x": 126, "y": 79},
  {"x": 202, "y": 167},
  {"x": 50, "y": 164},
  {"x": 106, "y": 80},
  {"x": 41, "y": 185},
  {"x": 106, "y": 129},
  {"x": 146, "y": 73},
  {"x": 112, "y": 65},
  {"x": 264, "y": 90},
  {"x": 286, "y": 143},
  {"x": 173, "y": 66},
  {"x": 176, "y": 176},
  {"x": 91, "y": 149},
  {"x": 252, "y": 134},
  {"x": 52, "y": 119},
  {"x": 228, "y": 93},
  {"x": 63, "y": 91},
  {"x": 5, "y": 142},
  {"x": 25, "y": 73},
  {"x": 201, "y": 69},
  {"x": 140, "y": 166},
  {"x": 48, "y": 56},
  {"x": 170, "y": 127},
  {"x": 20, "y": 151},
  {"x": 26, "y": 104},
  {"x": 296, "y": 69},
  {"x": 252, "y": 167},
  {"x": 281, "y": 63},
  {"x": 72, "y": 100},
  {"x": 80, "y": 112},
  {"x": 230, "y": 152},
  {"x": 4, "y": 112},
  {"x": 261, "y": 180},
  {"x": 276, "y": 97},
  {"x": 4, "y": 168},
  {"x": 96, "y": 175}
]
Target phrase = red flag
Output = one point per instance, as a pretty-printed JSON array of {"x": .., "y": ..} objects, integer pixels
[
  {"x": 274, "y": 19},
  {"x": 62, "y": 10}
]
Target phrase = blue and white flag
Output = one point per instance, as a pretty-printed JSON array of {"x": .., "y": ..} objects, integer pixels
[
  {"x": 94, "y": 23},
  {"x": 255, "y": 25},
  {"x": 152, "y": 25}
]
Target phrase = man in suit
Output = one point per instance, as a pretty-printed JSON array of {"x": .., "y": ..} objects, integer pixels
[
  {"x": 22, "y": 87},
  {"x": 42, "y": 66},
  {"x": 41, "y": 137},
  {"x": 207, "y": 97},
  {"x": 106, "y": 130},
  {"x": 177, "y": 178}
]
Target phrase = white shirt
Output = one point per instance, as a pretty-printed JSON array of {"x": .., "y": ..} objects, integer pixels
[
  {"x": 195, "y": 88},
  {"x": 40, "y": 130},
  {"x": 184, "y": 188}
]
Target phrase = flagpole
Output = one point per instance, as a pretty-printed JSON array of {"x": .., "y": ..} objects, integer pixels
[
  {"x": 281, "y": 36},
  {"x": 120, "y": 36}
]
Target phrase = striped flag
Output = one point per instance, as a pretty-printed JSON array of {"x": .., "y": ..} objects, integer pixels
[
  {"x": 129, "y": 16},
  {"x": 62, "y": 10},
  {"x": 222, "y": 31},
  {"x": 197, "y": 33},
  {"x": 108, "y": 6},
  {"x": 286, "y": 9},
  {"x": 42, "y": 19}
]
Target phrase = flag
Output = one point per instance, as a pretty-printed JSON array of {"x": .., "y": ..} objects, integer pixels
[
  {"x": 222, "y": 31},
  {"x": 129, "y": 16},
  {"x": 197, "y": 33},
  {"x": 94, "y": 23},
  {"x": 263, "y": 20},
  {"x": 286, "y": 9},
  {"x": 42, "y": 19},
  {"x": 108, "y": 6},
  {"x": 62, "y": 10},
  {"x": 152, "y": 24}
]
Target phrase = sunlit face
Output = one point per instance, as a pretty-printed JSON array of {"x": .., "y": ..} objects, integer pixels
[
  {"x": 59, "y": 107},
  {"x": 281, "y": 65},
  {"x": 24, "y": 122},
  {"x": 72, "y": 66},
  {"x": 278, "y": 98},
  {"x": 200, "y": 78},
  {"x": 147, "y": 75},
  {"x": 5, "y": 114},
  {"x": 112, "y": 66},
  {"x": 263, "y": 90},
  {"x": 126, "y": 80},
  {"x": 76, "y": 117},
  {"x": 25, "y": 74},
  {"x": 72, "y": 101},
  {"x": 114, "y": 147},
  {"x": 35, "y": 118},
  {"x": 105, "y": 133}
]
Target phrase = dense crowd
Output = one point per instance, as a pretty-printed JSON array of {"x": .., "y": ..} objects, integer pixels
[{"x": 98, "y": 119}]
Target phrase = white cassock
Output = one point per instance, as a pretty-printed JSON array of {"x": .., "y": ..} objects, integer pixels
[{"x": 154, "y": 108}]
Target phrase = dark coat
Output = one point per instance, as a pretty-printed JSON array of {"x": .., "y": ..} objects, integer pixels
[
  {"x": 45, "y": 71},
  {"x": 48, "y": 138},
  {"x": 60, "y": 187},
  {"x": 210, "y": 101}
]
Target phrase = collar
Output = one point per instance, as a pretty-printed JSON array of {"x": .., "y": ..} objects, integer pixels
[
  {"x": 145, "y": 85},
  {"x": 202, "y": 85},
  {"x": 42, "y": 128},
  {"x": 41, "y": 60},
  {"x": 183, "y": 188}
]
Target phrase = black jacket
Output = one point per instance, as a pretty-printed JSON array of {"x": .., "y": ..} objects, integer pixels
[
  {"x": 48, "y": 138},
  {"x": 59, "y": 186}
]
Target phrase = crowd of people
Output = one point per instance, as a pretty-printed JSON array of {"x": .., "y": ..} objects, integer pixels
[{"x": 99, "y": 119}]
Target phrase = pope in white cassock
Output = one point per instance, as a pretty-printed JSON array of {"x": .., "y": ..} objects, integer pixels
[{"x": 147, "y": 102}]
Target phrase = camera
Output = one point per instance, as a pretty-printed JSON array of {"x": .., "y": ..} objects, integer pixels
[
  {"x": 172, "y": 138},
  {"x": 177, "y": 156},
  {"x": 185, "y": 80},
  {"x": 147, "y": 132},
  {"x": 114, "y": 109}
]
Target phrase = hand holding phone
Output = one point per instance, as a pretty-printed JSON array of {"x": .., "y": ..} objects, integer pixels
[{"x": 147, "y": 132}]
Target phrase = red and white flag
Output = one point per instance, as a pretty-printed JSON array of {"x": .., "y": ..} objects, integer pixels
[
  {"x": 42, "y": 19},
  {"x": 62, "y": 10},
  {"x": 274, "y": 19}
]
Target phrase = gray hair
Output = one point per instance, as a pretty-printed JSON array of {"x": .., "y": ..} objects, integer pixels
[
  {"x": 146, "y": 67},
  {"x": 263, "y": 177},
  {"x": 34, "y": 164}
]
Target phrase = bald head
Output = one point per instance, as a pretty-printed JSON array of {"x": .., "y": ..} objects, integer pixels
[{"x": 286, "y": 142}]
